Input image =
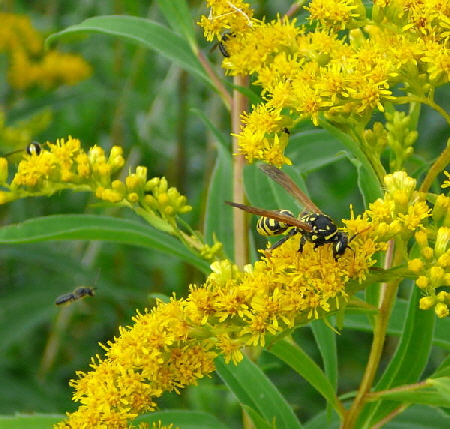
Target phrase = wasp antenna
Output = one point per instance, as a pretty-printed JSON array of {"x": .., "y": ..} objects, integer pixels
[{"x": 357, "y": 233}]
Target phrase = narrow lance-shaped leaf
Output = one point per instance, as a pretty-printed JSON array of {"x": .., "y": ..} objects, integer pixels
[
  {"x": 255, "y": 390},
  {"x": 90, "y": 227},
  {"x": 142, "y": 31},
  {"x": 298, "y": 360}
]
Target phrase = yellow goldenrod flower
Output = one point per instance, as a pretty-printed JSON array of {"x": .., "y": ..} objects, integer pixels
[
  {"x": 415, "y": 265},
  {"x": 401, "y": 211},
  {"x": 264, "y": 137},
  {"x": 29, "y": 64},
  {"x": 441, "y": 310},
  {"x": 442, "y": 241},
  {"x": 422, "y": 282},
  {"x": 426, "y": 303},
  {"x": 441, "y": 210},
  {"x": 444, "y": 260},
  {"x": 337, "y": 14},
  {"x": 421, "y": 239},
  {"x": 3, "y": 170},
  {"x": 446, "y": 182},
  {"x": 443, "y": 296},
  {"x": 436, "y": 276},
  {"x": 432, "y": 268},
  {"x": 305, "y": 73},
  {"x": 16, "y": 31},
  {"x": 225, "y": 14},
  {"x": 210, "y": 252},
  {"x": 427, "y": 253}
]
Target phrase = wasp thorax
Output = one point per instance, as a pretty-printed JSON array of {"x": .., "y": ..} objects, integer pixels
[{"x": 323, "y": 225}]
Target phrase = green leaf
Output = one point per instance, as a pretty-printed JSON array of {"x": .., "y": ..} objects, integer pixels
[
  {"x": 256, "y": 418},
  {"x": 265, "y": 193},
  {"x": 221, "y": 139},
  {"x": 253, "y": 389},
  {"x": 410, "y": 358},
  {"x": 371, "y": 188},
  {"x": 324, "y": 420},
  {"x": 442, "y": 386},
  {"x": 415, "y": 417},
  {"x": 413, "y": 348},
  {"x": 419, "y": 417},
  {"x": 253, "y": 97},
  {"x": 301, "y": 363},
  {"x": 326, "y": 342},
  {"x": 435, "y": 395},
  {"x": 35, "y": 421},
  {"x": 183, "y": 419},
  {"x": 141, "y": 31},
  {"x": 91, "y": 227},
  {"x": 361, "y": 323},
  {"x": 179, "y": 17},
  {"x": 218, "y": 215},
  {"x": 444, "y": 369},
  {"x": 313, "y": 149}
]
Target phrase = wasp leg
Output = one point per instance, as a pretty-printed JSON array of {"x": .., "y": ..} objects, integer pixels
[
  {"x": 290, "y": 234},
  {"x": 302, "y": 244}
]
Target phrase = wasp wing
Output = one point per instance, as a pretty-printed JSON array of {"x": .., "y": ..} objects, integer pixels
[
  {"x": 273, "y": 214},
  {"x": 32, "y": 148},
  {"x": 12, "y": 153},
  {"x": 288, "y": 184},
  {"x": 65, "y": 299}
]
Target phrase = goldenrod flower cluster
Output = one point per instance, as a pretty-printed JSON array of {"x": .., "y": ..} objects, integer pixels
[
  {"x": 401, "y": 211},
  {"x": 344, "y": 70},
  {"x": 65, "y": 165},
  {"x": 432, "y": 267},
  {"x": 175, "y": 344},
  {"x": 29, "y": 65},
  {"x": 226, "y": 15},
  {"x": 167, "y": 201}
]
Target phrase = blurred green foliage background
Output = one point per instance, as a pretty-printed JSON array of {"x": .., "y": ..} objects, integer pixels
[{"x": 138, "y": 100}]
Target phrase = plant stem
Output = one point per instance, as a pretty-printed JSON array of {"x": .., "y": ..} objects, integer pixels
[
  {"x": 436, "y": 168},
  {"x": 390, "y": 416},
  {"x": 216, "y": 81},
  {"x": 387, "y": 299},
  {"x": 240, "y": 104},
  {"x": 424, "y": 100},
  {"x": 295, "y": 7}
]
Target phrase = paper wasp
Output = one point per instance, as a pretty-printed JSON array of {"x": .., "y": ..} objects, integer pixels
[
  {"x": 313, "y": 225},
  {"x": 78, "y": 293}
]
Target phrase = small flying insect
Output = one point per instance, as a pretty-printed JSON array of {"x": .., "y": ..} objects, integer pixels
[
  {"x": 34, "y": 148},
  {"x": 222, "y": 48},
  {"x": 221, "y": 44},
  {"x": 78, "y": 293},
  {"x": 313, "y": 225}
]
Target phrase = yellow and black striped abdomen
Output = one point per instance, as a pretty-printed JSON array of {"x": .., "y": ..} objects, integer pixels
[{"x": 269, "y": 227}]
